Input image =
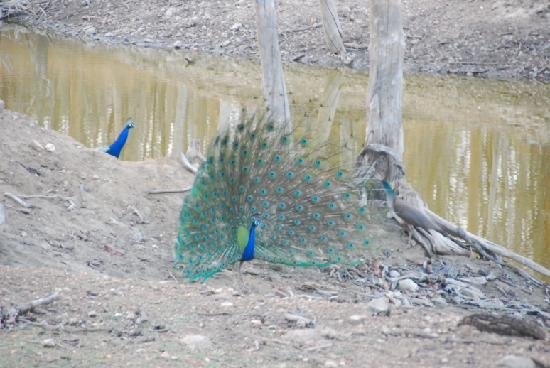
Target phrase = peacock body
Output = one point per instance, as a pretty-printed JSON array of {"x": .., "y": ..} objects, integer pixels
[
  {"x": 116, "y": 147},
  {"x": 269, "y": 194}
]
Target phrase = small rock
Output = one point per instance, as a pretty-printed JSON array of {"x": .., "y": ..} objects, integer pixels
[
  {"x": 378, "y": 306},
  {"x": 472, "y": 292},
  {"x": 357, "y": 318},
  {"x": 394, "y": 273},
  {"x": 90, "y": 30},
  {"x": 226, "y": 304},
  {"x": 177, "y": 45},
  {"x": 48, "y": 343},
  {"x": 92, "y": 314},
  {"x": 331, "y": 364},
  {"x": 256, "y": 322},
  {"x": 299, "y": 321},
  {"x": 408, "y": 285},
  {"x": 196, "y": 342},
  {"x": 169, "y": 12},
  {"x": 2, "y": 104},
  {"x": 236, "y": 26},
  {"x": 516, "y": 361},
  {"x": 49, "y": 147}
]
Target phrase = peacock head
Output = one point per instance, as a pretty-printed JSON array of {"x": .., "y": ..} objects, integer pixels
[
  {"x": 388, "y": 189},
  {"x": 129, "y": 123},
  {"x": 255, "y": 220}
]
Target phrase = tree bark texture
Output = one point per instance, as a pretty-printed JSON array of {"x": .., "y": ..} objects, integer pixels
[
  {"x": 331, "y": 25},
  {"x": 386, "y": 75},
  {"x": 272, "y": 70}
]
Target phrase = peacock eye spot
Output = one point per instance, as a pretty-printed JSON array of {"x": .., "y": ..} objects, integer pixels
[
  {"x": 331, "y": 205},
  {"x": 303, "y": 142},
  {"x": 279, "y": 190},
  {"x": 317, "y": 163},
  {"x": 249, "y": 198},
  {"x": 299, "y": 208},
  {"x": 300, "y": 161},
  {"x": 282, "y": 205},
  {"x": 289, "y": 175},
  {"x": 277, "y": 158},
  {"x": 314, "y": 198},
  {"x": 272, "y": 174},
  {"x": 297, "y": 193},
  {"x": 308, "y": 178}
]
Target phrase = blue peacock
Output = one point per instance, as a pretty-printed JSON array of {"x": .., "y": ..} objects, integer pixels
[
  {"x": 116, "y": 147},
  {"x": 266, "y": 193}
]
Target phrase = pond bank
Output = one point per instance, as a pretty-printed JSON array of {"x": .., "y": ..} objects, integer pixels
[{"x": 503, "y": 39}]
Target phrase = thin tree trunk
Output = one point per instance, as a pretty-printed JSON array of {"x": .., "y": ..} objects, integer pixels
[
  {"x": 272, "y": 70},
  {"x": 331, "y": 25},
  {"x": 386, "y": 75}
]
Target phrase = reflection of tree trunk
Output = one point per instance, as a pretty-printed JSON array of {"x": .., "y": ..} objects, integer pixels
[
  {"x": 270, "y": 55},
  {"x": 331, "y": 25},
  {"x": 179, "y": 122},
  {"x": 327, "y": 109}
]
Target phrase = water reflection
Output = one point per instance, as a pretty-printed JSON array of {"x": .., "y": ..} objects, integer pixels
[{"x": 476, "y": 150}]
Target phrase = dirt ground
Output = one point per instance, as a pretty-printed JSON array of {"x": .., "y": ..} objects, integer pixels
[
  {"x": 496, "y": 39},
  {"x": 93, "y": 234},
  {"x": 100, "y": 241}
]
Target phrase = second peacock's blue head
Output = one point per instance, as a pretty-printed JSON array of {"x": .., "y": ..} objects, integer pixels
[{"x": 129, "y": 124}]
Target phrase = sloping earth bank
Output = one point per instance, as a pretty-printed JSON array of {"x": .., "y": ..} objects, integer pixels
[{"x": 104, "y": 245}]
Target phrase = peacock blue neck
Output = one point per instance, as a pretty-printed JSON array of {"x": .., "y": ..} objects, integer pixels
[
  {"x": 248, "y": 252},
  {"x": 116, "y": 147},
  {"x": 389, "y": 191}
]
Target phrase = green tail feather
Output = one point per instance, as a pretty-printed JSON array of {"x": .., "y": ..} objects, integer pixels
[{"x": 309, "y": 210}]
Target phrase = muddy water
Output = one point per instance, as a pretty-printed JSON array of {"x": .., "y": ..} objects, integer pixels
[{"x": 478, "y": 151}]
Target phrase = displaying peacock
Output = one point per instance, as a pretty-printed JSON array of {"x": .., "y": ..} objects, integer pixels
[
  {"x": 116, "y": 147},
  {"x": 269, "y": 194}
]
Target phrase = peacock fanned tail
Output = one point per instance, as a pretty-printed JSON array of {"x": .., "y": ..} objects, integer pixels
[{"x": 307, "y": 205}]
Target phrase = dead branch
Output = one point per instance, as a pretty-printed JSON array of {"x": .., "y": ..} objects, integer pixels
[
  {"x": 487, "y": 245},
  {"x": 169, "y": 191},
  {"x": 504, "y": 325},
  {"x": 69, "y": 200},
  {"x": 18, "y": 200},
  {"x": 10, "y": 315},
  {"x": 187, "y": 165}
]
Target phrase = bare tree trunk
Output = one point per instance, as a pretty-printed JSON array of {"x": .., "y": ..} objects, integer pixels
[
  {"x": 272, "y": 69},
  {"x": 383, "y": 152},
  {"x": 385, "y": 98},
  {"x": 331, "y": 25}
]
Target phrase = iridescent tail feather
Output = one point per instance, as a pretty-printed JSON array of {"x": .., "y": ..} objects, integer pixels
[{"x": 306, "y": 202}]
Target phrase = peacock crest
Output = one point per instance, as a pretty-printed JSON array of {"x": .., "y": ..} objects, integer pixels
[{"x": 266, "y": 187}]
